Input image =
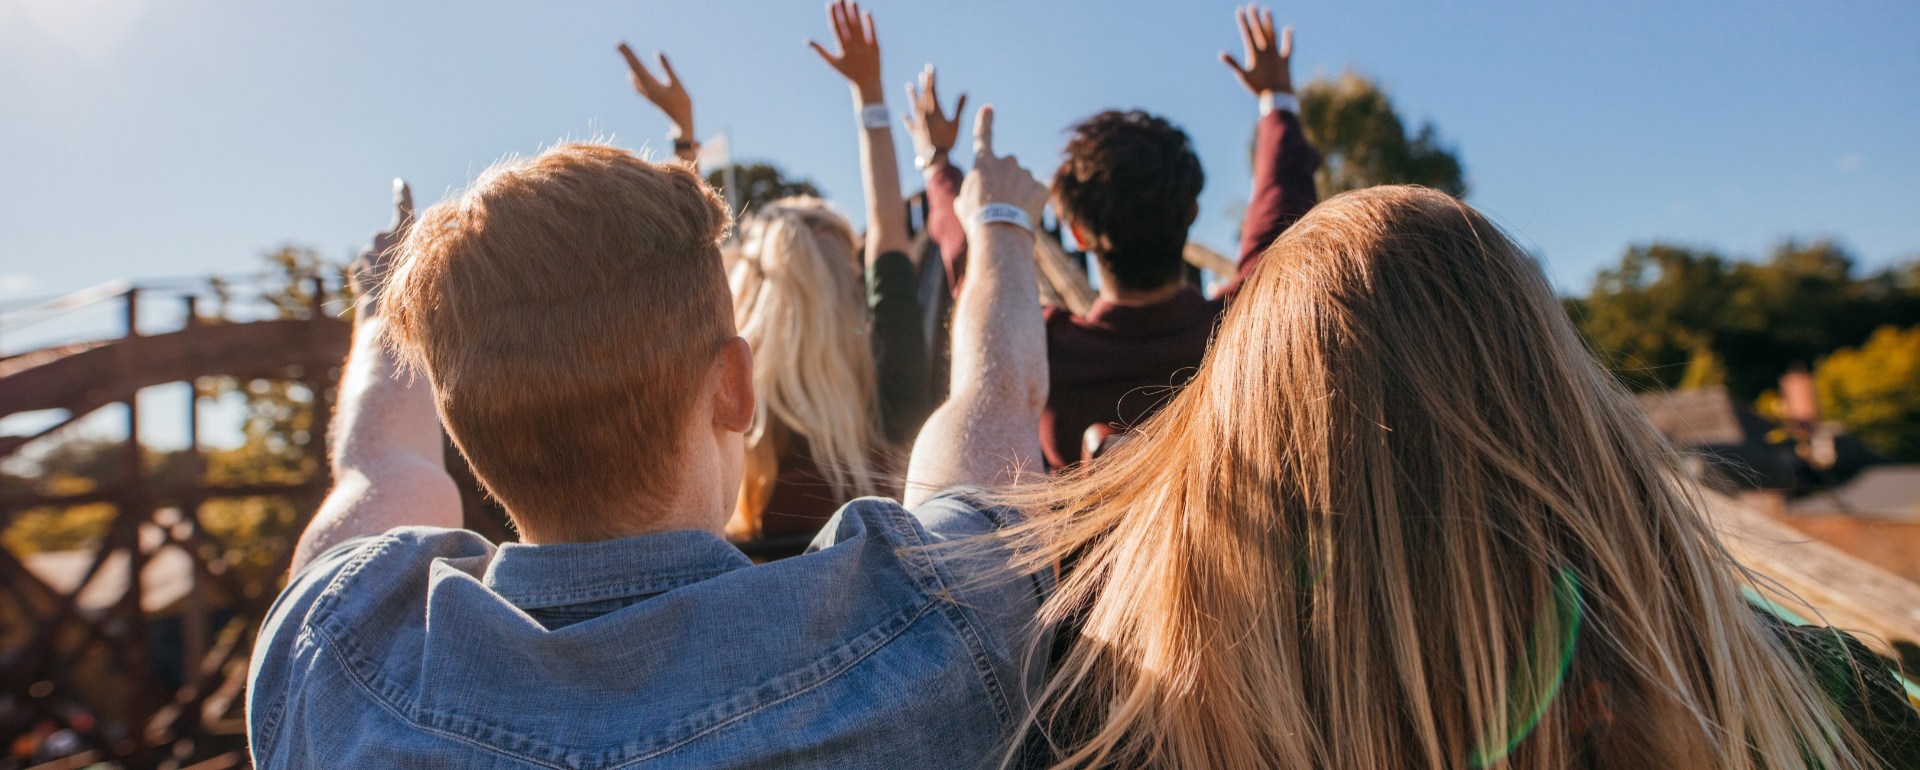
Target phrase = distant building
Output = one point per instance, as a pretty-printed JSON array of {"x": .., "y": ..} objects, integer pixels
[{"x": 1804, "y": 473}]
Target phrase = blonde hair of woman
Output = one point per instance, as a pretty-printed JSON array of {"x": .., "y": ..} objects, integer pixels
[
  {"x": 1401, "y": 518},
  {"x": 799, "y": 300}
]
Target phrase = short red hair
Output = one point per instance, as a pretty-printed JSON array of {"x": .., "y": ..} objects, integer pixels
[{"x": 567, "y": 309}]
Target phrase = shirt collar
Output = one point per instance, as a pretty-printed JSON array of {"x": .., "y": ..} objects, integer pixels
[
  {"x": 540, "y": 576},
  {"x": 1176, "y": 312}
]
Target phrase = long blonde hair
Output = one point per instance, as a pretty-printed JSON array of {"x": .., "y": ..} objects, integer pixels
[
  {"x": 799, "y": 301},
  {"x": 1401, "y": 518}
]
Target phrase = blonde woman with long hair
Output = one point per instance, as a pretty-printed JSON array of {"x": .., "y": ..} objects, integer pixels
[
  {"x": 817, "y": 437},
  {"x": 1402, "y": 519}
]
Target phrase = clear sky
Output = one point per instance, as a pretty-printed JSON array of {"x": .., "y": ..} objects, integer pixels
[{"x": 145, "y": 138}]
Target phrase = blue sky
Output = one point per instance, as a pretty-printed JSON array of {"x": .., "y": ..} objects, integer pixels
[{"x": 143, "y": 138}]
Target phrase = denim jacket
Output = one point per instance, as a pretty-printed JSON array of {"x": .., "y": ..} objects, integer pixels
[{"x": 431, "y": 648}]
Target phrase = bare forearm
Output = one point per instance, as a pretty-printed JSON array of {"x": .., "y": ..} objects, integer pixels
[
  {"x": 387, "y": 457},
  {"x": 987, "y": 431},
  {"x": 880, "y": 180},
  {"x": 382, "y": 409},
  {"x": 943, "y": 185}
]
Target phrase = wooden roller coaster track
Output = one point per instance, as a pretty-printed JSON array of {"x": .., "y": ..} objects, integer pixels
[{"x": 186, "y": 708}]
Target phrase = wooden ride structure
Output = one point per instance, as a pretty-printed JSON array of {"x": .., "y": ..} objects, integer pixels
[
  {"x": 186, "y": 708},
  {"x": 194, "y": 712}
]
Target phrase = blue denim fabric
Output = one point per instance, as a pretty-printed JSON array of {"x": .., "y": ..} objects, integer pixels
[{"x": 430, "y": 648}]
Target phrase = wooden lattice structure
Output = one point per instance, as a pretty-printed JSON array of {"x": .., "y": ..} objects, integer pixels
[{"x": 156, "y": 579}]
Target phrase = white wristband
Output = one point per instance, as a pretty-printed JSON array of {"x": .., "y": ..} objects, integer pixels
[
  {"x": 1002, "y": 212},
  {"x": 1270, "y": 101},
  {"x": 874, "y": 116}
]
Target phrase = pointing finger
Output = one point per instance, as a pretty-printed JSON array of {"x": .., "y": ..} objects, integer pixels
[
  {"x": 402, "y": 202},
  {"x": 1286, "y": 42},
  {"x": 983, "y": 132},
  {"x": 959, "y": 108}
]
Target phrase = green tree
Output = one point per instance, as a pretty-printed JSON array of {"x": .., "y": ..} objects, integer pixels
[
  {"x": 1670, "y": 315},
  {"x": 1874, "y": 390},
  {"x": 758, "y": 184},
  {"x": 1655, "y": 313},
  {"x": 1365, "y": 142}
]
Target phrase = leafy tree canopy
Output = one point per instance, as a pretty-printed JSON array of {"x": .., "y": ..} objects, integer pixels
[
  {"x": 1671, "y": 314},
  {"x": 1365, "y": 142},
  {"x": 758, "y": 184},
  {"x": 1874, "y": 389}
]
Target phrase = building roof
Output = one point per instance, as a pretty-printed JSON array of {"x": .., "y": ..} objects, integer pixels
[
  {"x": 1695, "y": 417},
  {"x": 1889, "y": 492}
]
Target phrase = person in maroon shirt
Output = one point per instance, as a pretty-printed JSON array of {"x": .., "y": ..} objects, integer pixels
[{"x": 1128, "y": 189}]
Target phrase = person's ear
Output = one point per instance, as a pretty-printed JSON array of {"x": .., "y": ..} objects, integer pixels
[
  {"x": 733, "y": 391},
  {"x": 1193, "y": 213},
  {"x": 1079, "y": 238}
]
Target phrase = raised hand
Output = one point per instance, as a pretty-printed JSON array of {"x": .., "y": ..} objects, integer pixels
[
  {"x": 369, "y": 272},
  {"x": 995, "y": 179},
  {"x": 859, "y": 57},
  {"x": 1268, "y": 59},
  {"x": 933, "y": 132},
  {"x": 668, "y": 95}
]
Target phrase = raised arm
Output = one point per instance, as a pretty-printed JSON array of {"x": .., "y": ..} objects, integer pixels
[
  {"x": 388, "y": 469},
  {"x": 671, "y": 97},
  {"x": 859, "y": 62},
  {"x": 988, "y": 430},
  {"x": 933, "y": 135},
  {"x": 1283, "y": 160}
]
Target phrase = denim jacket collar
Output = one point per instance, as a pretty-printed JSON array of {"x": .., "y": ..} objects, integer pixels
[{"x": 541, "y": 576}]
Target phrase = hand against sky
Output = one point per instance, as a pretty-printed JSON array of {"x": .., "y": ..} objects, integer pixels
[
  {"x": 1268, "y": 59},
  {"x": 859, "y": 59},
  {"x": 933, "y": 132},
  {"x": 669, "y": 95},
  {"x": 369, "y": 272},
  {"x": 995, "y": 179}
]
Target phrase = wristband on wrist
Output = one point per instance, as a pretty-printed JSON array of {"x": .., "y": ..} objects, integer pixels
[
  {"x": 1006, "y": 213},
  {"x": 874, "y": 116},
  {"x": 1270, "y": 101}
]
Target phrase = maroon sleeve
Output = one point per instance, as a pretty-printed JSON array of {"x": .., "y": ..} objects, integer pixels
[
  {"x": 1283, "y": 166},
  {"x": 943, "y": 185}
]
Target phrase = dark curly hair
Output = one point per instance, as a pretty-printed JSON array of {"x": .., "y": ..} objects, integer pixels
[{"x": 1129, "y": 183}]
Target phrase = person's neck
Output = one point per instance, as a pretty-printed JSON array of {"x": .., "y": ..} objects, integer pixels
[
  {"x": 1113, "y": 293},
  {"x": 636, "y": 518}
]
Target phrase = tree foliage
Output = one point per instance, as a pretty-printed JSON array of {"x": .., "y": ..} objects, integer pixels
[
  {"x": 1365, "y": 142},
  {"x": 1874, "y": 390},
  {"x": 758, "y": 184},
  {"x": 1671, "y": 315}
]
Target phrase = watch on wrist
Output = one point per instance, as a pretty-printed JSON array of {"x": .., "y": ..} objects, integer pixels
[
  {"x": 925, "y": 159},
  {"x": 682, "y": 141}
]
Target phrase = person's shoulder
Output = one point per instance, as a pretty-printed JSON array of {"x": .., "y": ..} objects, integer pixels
[
  {"x": 1862, "y": 685},
  {"x": 385, "y": 560},
  {"x": 949, "y": 515}
]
